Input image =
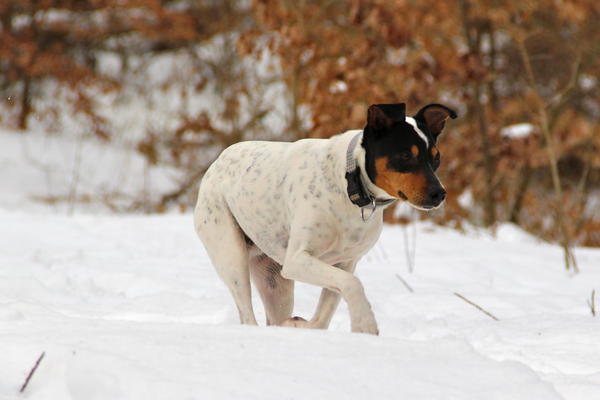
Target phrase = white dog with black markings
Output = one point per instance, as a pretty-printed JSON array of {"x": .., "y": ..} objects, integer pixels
[{"x": 309, "y": 210}]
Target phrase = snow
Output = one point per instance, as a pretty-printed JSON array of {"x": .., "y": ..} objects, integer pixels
[
  {"x": 517, "y": 131},
  {"x": 587, "y": 82},
  {"x": 338, "y": 87},
  {"x": 38, "y": 168},
  {"x": 129, "y": 307}
]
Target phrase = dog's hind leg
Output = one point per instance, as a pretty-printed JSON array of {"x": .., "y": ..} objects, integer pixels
[
  {"x": 276, "y": 292},
  {"x": 226, "y": 246}
]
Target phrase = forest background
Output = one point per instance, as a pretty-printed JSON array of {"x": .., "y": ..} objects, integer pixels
[{"x": 177, "y": 81}]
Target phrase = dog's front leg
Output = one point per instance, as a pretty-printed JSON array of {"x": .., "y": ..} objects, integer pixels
[
  {"x": 328, "y": 302},
  {"x": 299, "y": 265}
]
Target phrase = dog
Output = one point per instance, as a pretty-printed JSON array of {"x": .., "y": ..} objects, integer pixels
[{"x": 307, "y": 211}]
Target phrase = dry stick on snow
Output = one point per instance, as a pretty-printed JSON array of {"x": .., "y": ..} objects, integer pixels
[
  {"x": 592, "y": 303},
  {"x": 405, "y": 283},
  {"x": 37, "y": 364},
  {"x": 383, "y": 252},
  {"x": 489, "y": 314},
  {"x": 76, "y": 175},
  {"x": 409, "y": 251}
]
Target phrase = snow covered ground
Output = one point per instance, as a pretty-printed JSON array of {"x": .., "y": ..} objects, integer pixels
[{"x": 129, "y": 307}]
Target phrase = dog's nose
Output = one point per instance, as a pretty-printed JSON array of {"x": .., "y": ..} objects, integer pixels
[{"x": 436, "y": 196}]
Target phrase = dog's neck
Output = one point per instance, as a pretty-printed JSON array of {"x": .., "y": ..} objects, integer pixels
[
  {"x": 357, "y": 155},
  {"x": 360, "y": 155}
]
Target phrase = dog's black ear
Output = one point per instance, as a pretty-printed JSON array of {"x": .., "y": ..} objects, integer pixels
[
  {"x": 382, "y": 116},
  {"x": 434, "y": 117}
]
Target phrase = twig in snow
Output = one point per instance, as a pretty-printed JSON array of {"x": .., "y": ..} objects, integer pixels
[
  {"x": 405, "y": 283},
  {"x": 410, "y": 251},
  {"x": 35, "y": 367},
  {"x": 383, "y": 252},
  {"x": 489, "y": 314},
  {"x": 592, "y": 303}
]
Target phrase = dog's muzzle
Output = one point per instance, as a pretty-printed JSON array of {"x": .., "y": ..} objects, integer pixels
[{"x": 435, "y": 197}]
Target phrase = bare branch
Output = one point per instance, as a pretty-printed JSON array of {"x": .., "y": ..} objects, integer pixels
[
  {"x": 182, "y": 189},
  {"x": 592, "y": 303},
  {"x": 566, "y": 241},
  {"x": 35, "y": 367},
  {"x": 410, "y": 251},
  {"x": 489, "y": 314},
  {"x": 410, "y": 289}
]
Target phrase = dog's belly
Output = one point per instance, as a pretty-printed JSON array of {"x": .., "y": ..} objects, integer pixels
[{"x": 270, "y": 235}]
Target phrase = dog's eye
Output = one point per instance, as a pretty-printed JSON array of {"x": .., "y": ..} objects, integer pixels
[{"x": 405, "y": 155}]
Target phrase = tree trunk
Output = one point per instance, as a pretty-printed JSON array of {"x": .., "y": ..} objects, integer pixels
[
  {"x": 25, "y": 104},
  {"x": 566, "y": 240},
  {"x": 473, "y": 41},
  {"x": 524, "y": 179},
  {"x": 489, "y": 203}
]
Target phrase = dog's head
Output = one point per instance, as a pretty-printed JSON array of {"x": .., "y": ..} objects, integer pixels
[{"x": 401, "y": 152}]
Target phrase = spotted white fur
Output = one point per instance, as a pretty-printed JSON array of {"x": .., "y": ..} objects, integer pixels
[
  {"x": 291, "y": 201},
  {"x": 413, "y": 123}
]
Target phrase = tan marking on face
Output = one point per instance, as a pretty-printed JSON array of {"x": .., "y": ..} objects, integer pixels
[
  {"x": 413, "y": 185},
  {"x": 434, "y": 152},
  {"x": 414, "y": 150}
]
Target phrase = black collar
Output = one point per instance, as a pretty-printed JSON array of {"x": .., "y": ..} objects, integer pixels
[{"x": 358, "y": 193}]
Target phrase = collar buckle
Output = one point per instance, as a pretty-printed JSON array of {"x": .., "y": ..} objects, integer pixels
[{"x": 372, "y": 206}]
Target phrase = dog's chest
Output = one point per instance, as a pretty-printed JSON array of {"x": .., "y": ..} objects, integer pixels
[{"x": 349, "y": 242}]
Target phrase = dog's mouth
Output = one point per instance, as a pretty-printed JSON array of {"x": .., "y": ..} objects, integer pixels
[{"x": 422, "y": 207}]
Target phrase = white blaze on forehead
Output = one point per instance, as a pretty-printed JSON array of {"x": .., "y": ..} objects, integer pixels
[{"x": 412, "y": 122}]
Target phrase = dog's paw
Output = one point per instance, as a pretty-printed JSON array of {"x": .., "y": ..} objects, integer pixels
[
  {"x": 295, "y": 322},
  {"x": 365, "y": 324}
]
